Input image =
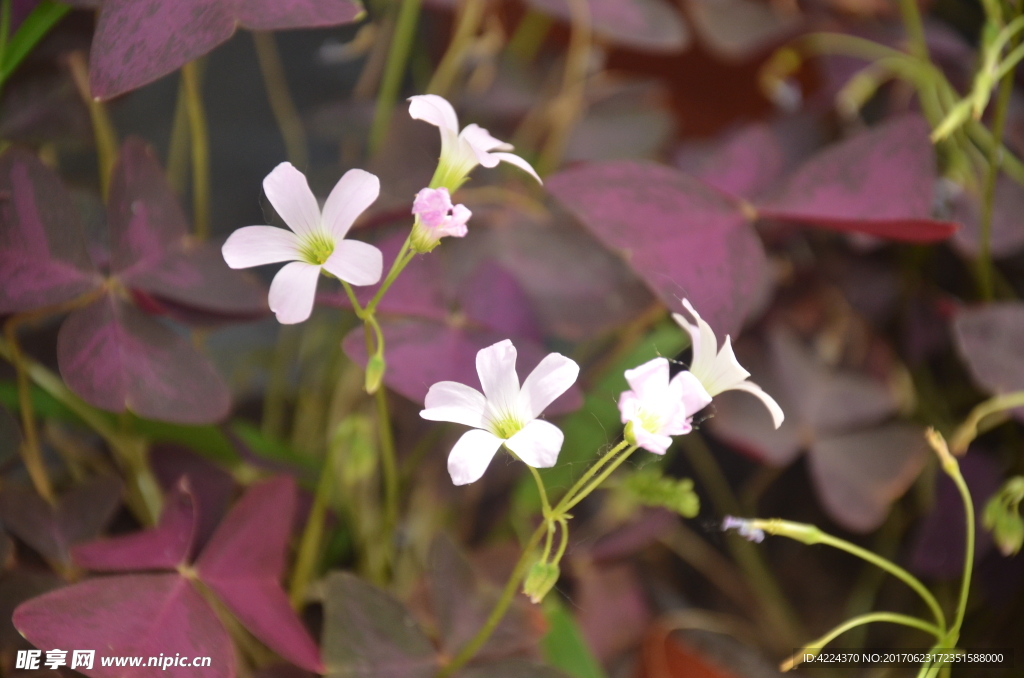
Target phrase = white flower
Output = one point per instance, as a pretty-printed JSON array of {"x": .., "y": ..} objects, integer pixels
[
  {"x": 503, "y": 413},
  {"x": 658, "y": 407},
  {"x": 719, "y": 371},
  {"x": 316, "y": 241},
  {"x": 461, "y": 151}
]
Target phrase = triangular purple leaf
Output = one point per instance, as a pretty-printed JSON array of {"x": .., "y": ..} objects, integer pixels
[
  {"x": 988, "y": 339},
  {"x": 243, "y": 564},
  {"x": 143, "y": 615},
  {"x": 210, "y": 485},
  {"x": 43, "y": 258},
  {"x": 163, "y": 547},
  {"x": 679, "y": 235},
  {"x": 880, "y": 182},
  {"x": 116, "y": 357}
]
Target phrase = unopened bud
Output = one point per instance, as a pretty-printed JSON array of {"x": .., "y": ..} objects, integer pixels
[
  {"x": 1002, "y": 516},
  {"x": 540, "y": 580},
  {"x": 375, "y": 368},
  {"x": 629, "y": 435}
]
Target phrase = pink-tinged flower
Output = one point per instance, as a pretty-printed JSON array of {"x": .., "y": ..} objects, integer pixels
[
  {"x": 315, "y": 242},
  {"x": 461, "y": 151},
  {"x": 437, "y": 217},
  {"x": 503, "y": 413},
  {"x": 659, "y": 407},
  {"x": 719, "y": 371}
]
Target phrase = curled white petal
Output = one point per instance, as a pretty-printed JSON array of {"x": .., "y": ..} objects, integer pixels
[
  {"x": 259, "y": 245},
  {"x": 514, "y": 159},
  {"x": 773, "y": 407},
  {"x": 289, "y": 193},
  {"x": 434, "y": 109},
  {"x": 537, "y": 444},
  {"x": 355, "y": 262},
  {"x": 472, "y": 455},
  {"x": 293, "y": 291},
  {"x": 455, "y": 402}
]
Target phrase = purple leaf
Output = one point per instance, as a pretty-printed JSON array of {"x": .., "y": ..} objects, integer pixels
[
  {"x": 163, "y": 547},
  {"x": 116, "y": 357},
  {"x": 43, "y": 259},
  {"x": 1007, "y": 237},
  {"x": 16, "y": 587},
  {"x": 745, "y": 164},
  {"x": 141, "y": 615},
  {"x": 938, "y": 548},
  {"x": 80, "y": 515},
  {"x": 243, "y": 564},
  {"x": 859, "y": 464},
  {"x": 648, "y": 25},
  {"x": 738, "y": 29},
  {"x": 211, "y": 486},
  {"x": 988, "y": 339},
  {"x": 679, "y": 235},
  {"x": 138, "y": 41},
  {"x": 369, "y": 634},
  {"x": 511, "y": 668},
  {"x": 880, "y": 182}
]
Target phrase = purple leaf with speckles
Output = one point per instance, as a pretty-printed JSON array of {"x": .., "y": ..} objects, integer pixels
[
  {"x": 136, "y": 615},
  {"x": 243, "y": 565},
  {"x": 43, "y": 258},
  {"x": 681, "y": 237},
  {"x": 880, "y": 182},
  {"x": 859, "y": 463},
  {"x": 138, "y": 41},
  {"x": 163, "y": 547}
]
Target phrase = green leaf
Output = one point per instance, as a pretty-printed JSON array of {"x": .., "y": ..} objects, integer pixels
[
  {"x": 564, "y": 647},
  {"x": 650, "y": 488},
  {"x": 271, "y": 449},
  {"x": 208, "y": 441},
  {"x": 35, "y": 26}
]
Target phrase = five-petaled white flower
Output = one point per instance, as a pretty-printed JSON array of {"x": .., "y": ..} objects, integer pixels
[
  {"x": 503, "y": 413},
  {"x": 719, "y": 371},
  {"x": 436, "y": 217},
  {"x": 461, "y": 151},
  {"x": 658, "y": 407},
  {"x": 316, "y": 241}
]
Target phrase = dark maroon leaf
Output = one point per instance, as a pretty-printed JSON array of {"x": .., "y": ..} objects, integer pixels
[
  {"x": 880, "y": 182},
  {"x": 462, "y": 600},
  {"x": 143, "y": 615},
  {"x": 138, "y": 41},
  {"x": 6, "y": 550},
  {"x": 1007, "y": 237},
  {"x": 680, "y": 236},
  {"x": 859, "y": 464},
  {"x": 43, "y": 260},
  {"x": 211, "y": 486},
  {"x": 369, "y": 634},
  {"x": 16, "y": 587},
  {"x": 648, "y": 25},
  {"x": 243, "y": 564},
  {"x": 938, "y": 549},
  {"x": 10, "y": 435},
  {"x": 988, "y": 339},
  {"x": 80, "y": 515},
  {"x": 163, "y": 547},
  {"x": 116, "y": 357},
  {"x": 745, "y": 164},
  {"x": 511, "y": 668}
]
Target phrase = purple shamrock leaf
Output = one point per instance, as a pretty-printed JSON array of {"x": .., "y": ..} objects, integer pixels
[
  {"x": 739, "y": 29},
  {"x": 880, "y": 182},
  {"x": 138, "y": 41},
  {"x": 1007, "y": 237},
  {"x": 80, "y": 515},
  {"x": 859, "y": 463},
  {"x": 140, "y": 615},
  {"x": 684, "y": 239},
  {"x": 648, "y": 25},
  {"x": 436, "y": 318},
  {"x": 211, "y": 486},
  {"x": 988, "y": 340},
  {"x": 43, "y": 257}
]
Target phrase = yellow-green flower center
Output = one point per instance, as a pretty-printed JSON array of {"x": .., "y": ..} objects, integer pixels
[
  {"x": 316, "y": 248},
  {"x": 506, "y": 427},
  {"x": 649, "y": 421}
]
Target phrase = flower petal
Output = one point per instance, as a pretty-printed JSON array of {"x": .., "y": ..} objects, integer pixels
[
  {"x": 455, "y": 402},
  {"x": 258, "y": 245},
  {"x": 482, "y": 142},
  {"x": 435, "y": 110},
  {"x": 289, "y": 193},
  {"x": 652, "y": 442},
  {"x": 551, "y": 378},
  {"x": 471, "y": 456},
  {"x": 705, "y": 345},
  {"x": 292, "y": 292},
  {"x": 496, "y": 367},
  {"x": 513, "y": 159},
  {"x": 537, "y": 444},
  {"x": 354, "y": 192},
  {"x": 726, "y": 371},
  {"x": 355, "y": 262},
  {"x": 688, "y": 389},
  {"x": 650, "y": 380},
  {"x": 750, "y": 387}
]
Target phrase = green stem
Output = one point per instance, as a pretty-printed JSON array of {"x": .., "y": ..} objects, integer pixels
[
  {"x": 389, "y": 467},
  {"x": 543, "y": 492},
  {"x": 971, "y": 427},
  {"x": 398, "y": 57},
  {"x": 533, "y": 28},
  {"x": 5, "y": 29},
  {"x": 470, "y": 16},
  {"x": 178, "y": 146},
  {"x": 588, "y": 475},
  {"x": 565, "y": 505},
  {"x": 31, "y": 454},
  {"x": 312, "y": 536},
  {"x": 401, "y": 261},
  {"x": 965, "y": 584},
  {"x": 870, "y": 618},
  {"x": 915, "y": 28},
  {"x": 280, "y": 98},
  {"x": 35, "y": 26},
  {"x": 200, "y": 142},
  {"x": 103, "y": 128},
  {"x": 469, "y": 650}
]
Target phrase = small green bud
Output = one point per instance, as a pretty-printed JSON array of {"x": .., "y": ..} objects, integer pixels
[
  {"x": 1002, "y": 516},
  {"x": 540, "y": 580},
  {"x": 375, "y": 373},
  {"x": 629, "y": 435}
]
